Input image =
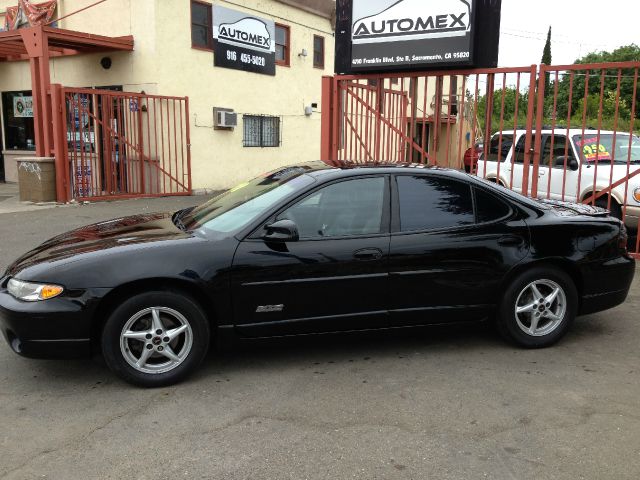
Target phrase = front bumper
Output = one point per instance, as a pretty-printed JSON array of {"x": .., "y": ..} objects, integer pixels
[{"x": 56, "y": 328}]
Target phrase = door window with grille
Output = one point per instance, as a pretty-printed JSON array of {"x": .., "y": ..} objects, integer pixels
[{"x": 261, "y": 131}]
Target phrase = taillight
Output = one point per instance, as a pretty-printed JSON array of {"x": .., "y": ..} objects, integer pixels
[{"x": 623, "y": 238}]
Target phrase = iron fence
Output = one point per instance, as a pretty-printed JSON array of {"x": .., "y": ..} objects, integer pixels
[
  {"x": 564, "y": 132},
  {"x": 120, "y": 144}
]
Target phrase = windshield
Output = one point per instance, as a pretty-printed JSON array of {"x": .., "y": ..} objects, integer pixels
[
  {"x": 606, "y": 148},
  {"x": 236, "y": 208}
]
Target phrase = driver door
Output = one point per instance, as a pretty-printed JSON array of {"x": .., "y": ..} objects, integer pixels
[{"x": 334, "y": 278}]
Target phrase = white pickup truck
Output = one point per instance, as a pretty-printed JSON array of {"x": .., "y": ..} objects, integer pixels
[{"x": 606, "y": 156}]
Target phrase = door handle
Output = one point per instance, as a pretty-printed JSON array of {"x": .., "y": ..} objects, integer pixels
[
  {"x": 510, "y": 240},
  {"x": 368, "y": 254}
]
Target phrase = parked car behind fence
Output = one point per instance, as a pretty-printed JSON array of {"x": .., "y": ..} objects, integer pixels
[{"x": 574, "y": 165}]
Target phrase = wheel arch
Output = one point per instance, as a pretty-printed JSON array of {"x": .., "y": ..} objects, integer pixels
[
  {"x": 589, "y": 191},
  {"x": 495, "y": 179},
  {"x": 560, "y": 263},
  {"x": 109, "y": 302}
]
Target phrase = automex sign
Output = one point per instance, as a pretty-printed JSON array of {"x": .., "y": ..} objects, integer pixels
[
  {"x": 416, "y": 35},
  {"x": 403, "y": 21},
  {"x": 243, "y": 42},
  {"x": 387, "y": 33}
]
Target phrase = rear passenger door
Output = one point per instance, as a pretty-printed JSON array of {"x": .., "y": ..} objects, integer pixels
[
  {"x": 451, "y": 245},
  {"x": 562, "y": 180}
]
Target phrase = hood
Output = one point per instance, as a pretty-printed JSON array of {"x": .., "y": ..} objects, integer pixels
[
  {"x": 570, "y": 209},
  {"x": 112, "y": 234}
]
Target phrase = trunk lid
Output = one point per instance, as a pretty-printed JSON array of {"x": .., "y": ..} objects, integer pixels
[{"x": 570, "y": 209}]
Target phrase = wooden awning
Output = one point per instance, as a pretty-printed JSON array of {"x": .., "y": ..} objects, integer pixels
[
  {"x": 26, "y": 43},
  {"x": 39, "y": 44}
]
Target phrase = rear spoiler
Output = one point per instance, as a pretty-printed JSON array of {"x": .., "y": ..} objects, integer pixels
[{"x": 576, "y": 208}]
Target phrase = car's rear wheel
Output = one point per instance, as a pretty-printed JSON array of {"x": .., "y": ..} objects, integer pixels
[
  {"x": 538, "y": 307},
  {"x": 155, "y": 339}
]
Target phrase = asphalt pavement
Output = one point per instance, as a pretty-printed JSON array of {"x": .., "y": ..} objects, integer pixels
[{"x": 446, "y": 403}]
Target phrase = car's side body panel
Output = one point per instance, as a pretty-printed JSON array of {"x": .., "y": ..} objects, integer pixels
[
  {"x": 438, "y": 277},
  {"x": 258, "y": 289},
  {"x": 309, "y": 286},
  {"x": 589, "y": 248}
]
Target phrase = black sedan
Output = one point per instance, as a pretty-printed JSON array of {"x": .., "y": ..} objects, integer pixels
[{"x": 313, "y": 248}]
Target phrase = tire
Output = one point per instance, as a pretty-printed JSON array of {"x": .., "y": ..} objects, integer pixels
[
  {"x": 549, "y": 323},
  {"x": 615, "y": 210},
  {"x": 167, "y": 338}
]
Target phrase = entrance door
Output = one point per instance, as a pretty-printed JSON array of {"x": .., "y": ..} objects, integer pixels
[
  {"x": 334, "y": 278},
  {"x": 421, "y": 137},
  {"x": 113, "y": 166}
]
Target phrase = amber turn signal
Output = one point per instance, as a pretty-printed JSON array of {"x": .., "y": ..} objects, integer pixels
[{"x": 50, "y": 291}]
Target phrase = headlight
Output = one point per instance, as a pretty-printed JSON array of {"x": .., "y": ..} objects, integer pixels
[
  {"x": 32, "y": 292},
  {"x": 636, "y": 194}
]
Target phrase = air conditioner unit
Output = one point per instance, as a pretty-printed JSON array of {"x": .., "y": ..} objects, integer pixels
[{"x": 226, "y": 119}]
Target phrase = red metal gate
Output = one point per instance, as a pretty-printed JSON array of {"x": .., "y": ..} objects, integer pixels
[
  {"x": 114, "y": 145},
  {"x": 529, "y": 126}
]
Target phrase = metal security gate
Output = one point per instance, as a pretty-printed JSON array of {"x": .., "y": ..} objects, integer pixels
[
  {"x": 567, "y": 132},
  {"x": 371, "y": 121},
  {"x": 119, "y": 145}
]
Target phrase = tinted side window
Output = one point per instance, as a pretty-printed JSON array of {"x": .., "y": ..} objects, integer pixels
[
  {"x": 353, "y": 207},
  {"x": 554, "y": 155},
  {"x": 490, "y": 208},
  {"x": 499, "y": 149},
  {"x": 430, "y": 202}
]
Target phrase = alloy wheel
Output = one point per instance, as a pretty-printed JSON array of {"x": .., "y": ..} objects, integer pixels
[
  {"x": 540, "y": 308},
  {"x": 156, "y": 340}
]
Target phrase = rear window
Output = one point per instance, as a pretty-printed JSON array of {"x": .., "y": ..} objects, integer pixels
[{"x": 490, "y": 208}]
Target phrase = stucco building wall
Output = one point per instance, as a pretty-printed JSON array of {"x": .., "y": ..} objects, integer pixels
[{"x": 164, "y": 62}]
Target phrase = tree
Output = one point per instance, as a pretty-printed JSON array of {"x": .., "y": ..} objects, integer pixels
[
  {"x": 546, "y": 58},
  {"x": 509, "y": 120},
  {"x": 628, "y": 53}
]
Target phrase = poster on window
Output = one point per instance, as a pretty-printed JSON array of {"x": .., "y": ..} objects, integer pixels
[
  {"x": 243, "y": 41},
  {"x": 22, "y": 107}
]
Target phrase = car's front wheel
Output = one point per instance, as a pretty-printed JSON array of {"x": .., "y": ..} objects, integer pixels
[
  {"x": 538, "y": 307},
  {"x": 155, "y": 339}
]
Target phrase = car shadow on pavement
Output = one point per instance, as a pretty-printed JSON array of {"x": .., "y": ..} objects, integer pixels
[
  {"x": 352, "y": 346},
  {"x": 310, "y": 350}
]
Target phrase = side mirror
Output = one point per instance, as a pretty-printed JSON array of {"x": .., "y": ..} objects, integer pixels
[
  {"x": 572, "y": 163},
  {"x": 281, "y": 231}
]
